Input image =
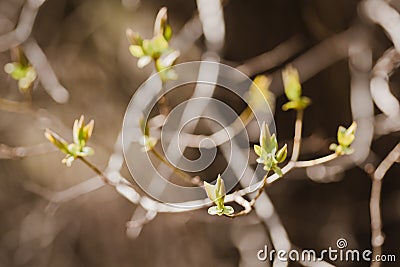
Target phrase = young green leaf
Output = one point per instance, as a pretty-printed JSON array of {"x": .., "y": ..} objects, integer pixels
[
  {"x": 268, "y": 152},
  {"x": 281, "y": 154},
  {"x": 346, "y": 136},
  {"x": 134, "y": 38},
  {"x": 293, "y": 91},
  {"x": 56, "y": 140},
  {"x": 345, "y": 139},
  {"x": 217, "y": 194},
  {"x": 160, "y": 21},
  {"x": 155, "y": 49},
  {"x": 136, "y": 51},
  {"x": 25, "y": 74},
  {"x": 291, "y": 82},
  {"x": 167, "y": 32},
  {"x": 81, "y": 134}
]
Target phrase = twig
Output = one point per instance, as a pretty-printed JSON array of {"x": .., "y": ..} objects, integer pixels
[
  {"x": 272, "y": 58},
  {"x": 7, "y": 152},
  {"x": 45, "y": 72},
  {"x": 97, "y": 171},
  {"x": 211, "y": 15},
  {"x": 218, "y": 138},
  {"x": 313, "y": 162},
  {"x": 186, "y": 177},
  {"x": 260, "y": 190},
  {"x": 377, "y": 236},
  {"x": 297, "y": 135},
  {"x": 380, "y": 89},
  {"x": 24, "y": 28},
  {"x": 247, "y": 206},
  {"x": 68, "y": 194},
  {"x": 387, "y": 17}
]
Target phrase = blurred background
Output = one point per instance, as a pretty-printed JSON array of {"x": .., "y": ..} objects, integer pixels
[{"x": 84, "y": 67}]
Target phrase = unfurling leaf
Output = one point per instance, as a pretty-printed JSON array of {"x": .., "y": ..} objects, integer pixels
[
  {"x": 167, "y": 32},
  {"x": 155, "y": 49},
  {"x": 160, "y": 21},
  {"x": 25, "y": 74},
  {"x": 217, "y": 194},
  {"x": 293, "y": 91},
  {"x": 268, "y": 152},
  {"x": 136, "y": 50},
  {"x": 167, "y": 59},
  {"x": 299, "y": 104},
  {"x": 134, "y": 38},
  {"x": 291, "y": 82},
  {"x": 345, "y": 138},
  {"x": 155, "y": 46},
  {"x": 257, "y": 150},
  {"x": 281, "y": 154},
  {"x": 81, "y": 134},
  {"x": 56, "y": 140}
]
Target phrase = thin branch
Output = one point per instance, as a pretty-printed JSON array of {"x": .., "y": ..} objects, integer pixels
[
  {"x": 24, "y": 28},
  {"x": 68, "y": 194},
  {"x": 7, "y": 152},
  {"x": 97, "y": 171},
  {"x": 379, "y": 84},
  {"x": 45, "y": 72},
  {"x": 186, "y": 177},
  {"x": 218, "y": 138},
  {"x": 260, "y": 190},
  {"x": 272, "y": 58},
  {"x": 377, "y": 236},
  {"x": 386, "y": 16},
  {"x": 247, "y": 206},
  {"x": 297, "y": 135},
  {"x": 313, "y": 162}
]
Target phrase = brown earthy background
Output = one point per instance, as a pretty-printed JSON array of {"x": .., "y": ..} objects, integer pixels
[{"x": 333, "y": 43}]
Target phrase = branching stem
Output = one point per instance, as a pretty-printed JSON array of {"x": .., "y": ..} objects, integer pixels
[
  {"x": 297, "y": 135},
  {"x": 186, "y": 177}
]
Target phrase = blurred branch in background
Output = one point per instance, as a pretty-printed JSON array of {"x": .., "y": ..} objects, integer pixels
[
  {"x": 24, "y": 26},
  {"x": 7, "y": 152},
  {"x": 45, "y": 72},
  {"x": 273, "y": 58},
  {"x": 377, "y": 236}
]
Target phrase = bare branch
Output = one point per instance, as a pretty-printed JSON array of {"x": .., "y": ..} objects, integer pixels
[
  {"x": 45, "y": 72},
  {"x": 24, "y": 28},
  {"x": 7, "y": 152},
  {"x": 377, "y": 236},
  {"x": 386, "y": 16},
  {"x": 272, "y": 58}
]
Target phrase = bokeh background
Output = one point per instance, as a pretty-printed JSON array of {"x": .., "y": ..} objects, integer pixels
[{"x": 334, "y": 44}]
